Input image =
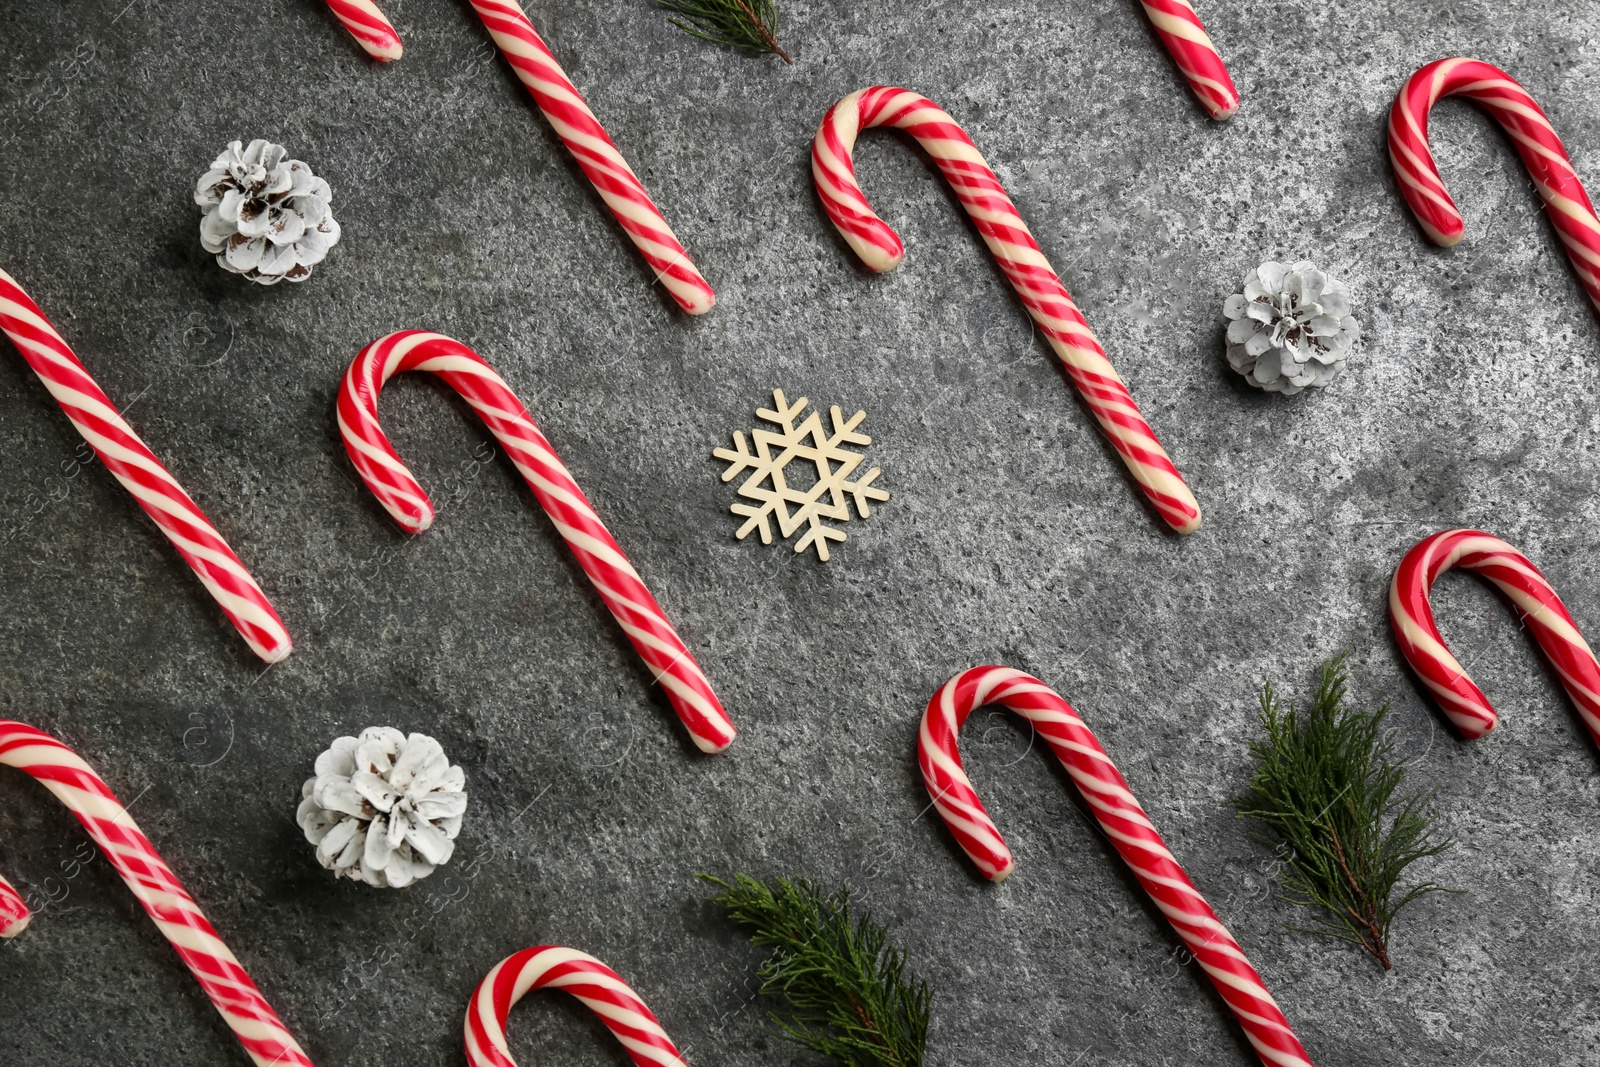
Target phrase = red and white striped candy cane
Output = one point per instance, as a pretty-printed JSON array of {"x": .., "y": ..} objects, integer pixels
[
  {"x": 14, "y": 912},
  {"x": 1411, "y": 616},
  {"x": 1014, "y": 249},
  {"x": 614, "y": 578},
  {"x": 1117, "y": 811},
  {"x": 589, "y": 144},
  {"x": 1191, "y": 49},
  {"x": 372, "y": 31},
  {"x": 554, "y": 967},
  {"x": 136, "y": 467},
  {"x": 163, "y": 897},
  {"x": 1531, "y": 134},
  {"x": 536, "y": 67}
]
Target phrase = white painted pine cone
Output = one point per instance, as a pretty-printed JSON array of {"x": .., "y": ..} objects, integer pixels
[
  {"x": 265, "y": 216},
  {"x": 384, "y": 808},
  {"x": 1290, "y": 329}
]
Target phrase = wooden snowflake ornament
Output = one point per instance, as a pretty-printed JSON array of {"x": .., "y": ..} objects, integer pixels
[{"x": 824, "y": 459}]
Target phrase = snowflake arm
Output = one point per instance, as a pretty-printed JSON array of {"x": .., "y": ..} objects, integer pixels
[
  {"x": 862, "y": 490},
  {"x": 739, "y": 459}
]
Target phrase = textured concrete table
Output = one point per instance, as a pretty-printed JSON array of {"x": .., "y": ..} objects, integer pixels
[{"x": 1013, "y": 535}]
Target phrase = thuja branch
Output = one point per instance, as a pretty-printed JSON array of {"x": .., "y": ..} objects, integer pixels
[
  {"x": 1328, "y": 787},
  {"x": 846, "y": 991},
  {"x": 748, "y": 24}
]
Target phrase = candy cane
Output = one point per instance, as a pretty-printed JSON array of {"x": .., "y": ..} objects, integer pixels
[
  {"x": 598, "y": 554},
  {"x": 589, "y": 144},
  {"x": 1117, "y": 811},
  {"x": 568, "y": 113},
  {"x": 1531, "y": 134},
  {"x": 1191, "y": 49},
  {"x": 1019, "y": 257},
  {"x": 367, "y": 25},
  {"x": 1411, "y": 616},
  {"x": 136, "y": 467},
  {"x": 14, "y": 913},
  {"x": 176, "y": 914},
  {"x": 598, "y": 986}
]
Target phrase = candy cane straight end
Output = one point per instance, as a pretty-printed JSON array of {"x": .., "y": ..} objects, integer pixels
[
  {"x": 1170, "y": 496},
  {"x": 697, "y": 304},
  {"x": 712, "y": 745},
  {"x": 1196, "y": 57},
  {"x": 372, "y": 31},
  {"x": 262, "y": 630},
  {"x": 599, "y": 988},
  {"x": 14, "y": 926},
  {"x": 879, "y": 260},
  {"x": 1224, "y": 107},
  {"x": 276, "y": 655}
]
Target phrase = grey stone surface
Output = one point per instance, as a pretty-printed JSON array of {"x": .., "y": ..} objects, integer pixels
[{"x": 1013, "y": 536}]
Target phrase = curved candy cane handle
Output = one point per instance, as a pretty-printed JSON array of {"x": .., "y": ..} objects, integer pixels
[
  {"x": 1117, "y": 811},
  {"x": 598, "y": 986},
  {"x": 601, "y": 558},
  {"x": 1190, "y": 47},
  {"x": 141, "y": 473},
  {"x": 1530, "y": 593},
  {"x": 158, "y": 890},
  {"x": 1531, "y": 134},
  {"x": 369, "y": 27},
  {"x": 1014, "y": 249}
]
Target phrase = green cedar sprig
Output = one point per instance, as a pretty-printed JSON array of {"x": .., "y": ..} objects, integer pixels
[
  {"x": 847, "y": 991},
  {"x": 748, "y": 24},
  {"x": 1326, "y": 784}
]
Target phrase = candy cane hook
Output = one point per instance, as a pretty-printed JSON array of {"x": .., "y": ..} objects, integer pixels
[
  {"x": 141, "y": 473},
  {"x": 1190, "y": 47},
  {"x": 1530, "y": 593},
  {"x": 553, "y": 967},
  {"x": 158, "y": 890},
  {"x": 1531, "y": 134},
  {"x": 568, "y": 113},
  {"x": 1117, "y": 811},
  {"x": 1014, "y": 249},
  {"x": 614, "y": 578}
]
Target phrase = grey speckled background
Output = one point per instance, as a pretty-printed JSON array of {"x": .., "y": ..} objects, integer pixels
[{"x": 1013, "y": 535}]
